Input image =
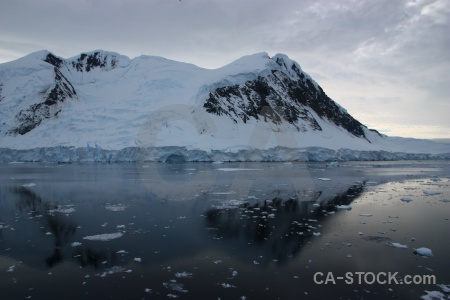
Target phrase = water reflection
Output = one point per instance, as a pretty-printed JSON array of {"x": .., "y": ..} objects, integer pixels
[
  {"x": 52, "y": 222},
  {"x": 60, "y": 228},
  {"x": 279, "y": 227}
]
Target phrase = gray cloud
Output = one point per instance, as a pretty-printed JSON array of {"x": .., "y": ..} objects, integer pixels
[{"x": 386, "y": 61}]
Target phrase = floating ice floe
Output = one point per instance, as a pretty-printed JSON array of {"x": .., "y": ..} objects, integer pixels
[
  {"x": 397, "y": 245},
  {"x": 343, "y": 207},
  {"x": 226, "y": 285},
  {"x": 324, "y": 179},
  {"x": 444, "y": 287},
  {"x": 222, "y": 193},
  {"x": 237, "y": 169},
  {"x": 433, "y": 295},
  {"x": 423, "y": 251},
  {"x": 75, "y": 244},
  {"x": 174, "y": 286},
  {"x": 137, "y": 259},
  {"x": 333, "y": 164},
  {"x": 64, "y": 209},
  {"x": 234, "y": 203},
  {"x": 431, "y": 193},
  {"x": 29, "y": 184},
  {"x": 116, "y": 207},
  {"x": 104, "y": 237},
  {"x": 217, "y": 162},
  {"x": 115, "y": 269},
  {"x": 234, "y": 273},
  {"x": 183, "y": 275}
]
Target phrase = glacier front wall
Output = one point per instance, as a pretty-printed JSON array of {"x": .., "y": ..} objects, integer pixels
[{"x": 173, "y": 154}]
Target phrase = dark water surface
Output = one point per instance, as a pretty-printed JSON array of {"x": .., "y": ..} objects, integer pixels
[{"x": 228, "y": 231}]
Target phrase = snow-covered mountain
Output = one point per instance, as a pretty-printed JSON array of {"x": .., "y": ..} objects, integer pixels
[{"x": 104, "y": 106}]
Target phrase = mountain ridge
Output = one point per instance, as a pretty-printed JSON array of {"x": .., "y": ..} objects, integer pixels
[{"x": 106, "y": 99}]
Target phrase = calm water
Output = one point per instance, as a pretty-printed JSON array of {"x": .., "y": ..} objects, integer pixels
[{"x": 228, "y": 231}]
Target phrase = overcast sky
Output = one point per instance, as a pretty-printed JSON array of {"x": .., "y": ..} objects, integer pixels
[{"x": 386, "y": 61}]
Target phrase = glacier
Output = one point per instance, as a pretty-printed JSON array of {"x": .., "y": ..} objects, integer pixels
[
  {"x": 174, "y": 154},
  {"x": 105, "y": 107}
]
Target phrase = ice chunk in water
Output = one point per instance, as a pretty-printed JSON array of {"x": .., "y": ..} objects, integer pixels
[
  {"x": 343, "y": 207},
  {"x": 423, "y": 251},
  {"x": 433, "y": 295},
  {"x": 104, "y": 237},
  {"x": 431, "y": 193},
  {"x": 117, "y": 207},
  {"x": 183, "y": 275},
  {"x": 397, "y": 245},
  {"x": 174, "y": 286}
]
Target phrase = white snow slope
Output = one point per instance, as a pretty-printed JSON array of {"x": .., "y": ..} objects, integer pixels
[{"x": 152, "y": 108}]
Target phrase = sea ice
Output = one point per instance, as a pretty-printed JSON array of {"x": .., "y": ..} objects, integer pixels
[
  {"x": 431, "y": 193},
  {"x": 66, "y": 209},
  {"x": 174, "y": 286},
  {"x": 113, "y": 270},
  {"x": 343, "y": 207},
  {"x": 226, "y": 285},
  {"x": 433, "y": 295},
  {"x": 117, "y": 207},
  {"x": 333, "y": 164},
  {"x": 324, "y": 179},
  {"x": 444, "y": 288},
  {"x": 423, "y": 251},
  {"x": 236, "y": 169},
  {"x": 397, "y": 245},
  {"x": 183, "y": 275},
  {"x": 29, "y": 184},
  {"x": 75, "y": 244},
  {"x": 104, "y": 237},
  {"x": 222, "y": 193},
  {"x": 234, "y": 203}
]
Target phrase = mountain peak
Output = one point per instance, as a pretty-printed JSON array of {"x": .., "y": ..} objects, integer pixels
[
  {"x": 104, "y": 98},
  {"x": 105, "y": 60}
]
